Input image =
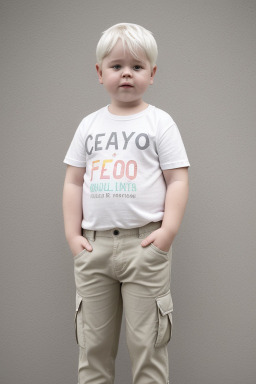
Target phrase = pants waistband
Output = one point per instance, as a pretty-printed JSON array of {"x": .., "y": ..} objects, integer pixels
[{"x": 120, "y": 232}]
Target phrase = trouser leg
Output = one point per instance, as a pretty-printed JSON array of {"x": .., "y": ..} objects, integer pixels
[
  {"x": 98, "y": 316},
  {"x": 148, "y": 311}
]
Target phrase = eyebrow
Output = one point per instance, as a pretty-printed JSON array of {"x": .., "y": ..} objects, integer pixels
[{"x": 121, "y": 60}]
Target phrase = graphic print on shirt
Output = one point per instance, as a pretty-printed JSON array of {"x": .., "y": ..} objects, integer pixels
[{"x": 112, "y": 176}]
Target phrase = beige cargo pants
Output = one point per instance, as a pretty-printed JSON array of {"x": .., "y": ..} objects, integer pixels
[{"x": 120, "y": 274}]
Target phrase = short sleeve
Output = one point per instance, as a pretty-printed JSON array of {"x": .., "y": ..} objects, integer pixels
[
  {"x": 170, "y": 147},
  {"x": 76, "y": 154}
]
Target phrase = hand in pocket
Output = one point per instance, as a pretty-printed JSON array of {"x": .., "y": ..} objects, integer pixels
[{"x": 78, "y": 243}]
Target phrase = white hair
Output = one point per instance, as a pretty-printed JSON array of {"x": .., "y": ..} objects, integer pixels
[{"x": 135, "y": 36}]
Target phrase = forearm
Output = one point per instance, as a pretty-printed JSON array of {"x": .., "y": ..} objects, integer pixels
[
  {"x": 175, "y": 204},
  {"x": 72, "y": 209}
]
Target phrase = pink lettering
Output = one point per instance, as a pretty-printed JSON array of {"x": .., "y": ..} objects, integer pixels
[{"x": 119, "y": 170}]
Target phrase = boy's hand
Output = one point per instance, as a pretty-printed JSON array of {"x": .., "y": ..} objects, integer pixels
[
  {"x": 161, "y": 238},
  {"x": 78, "y": 243}
]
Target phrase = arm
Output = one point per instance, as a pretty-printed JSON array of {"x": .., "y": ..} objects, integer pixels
[
  {"x": 175, "y": 204},
  {"x": 72, "y": 209}
]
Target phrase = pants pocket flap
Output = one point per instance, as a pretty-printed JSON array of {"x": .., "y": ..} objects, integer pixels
[
  {"x": 165, "y": 309},
  {"x": 79, "y": 321},
  {"x": 79, "y": 300},
  {"x": 165, "y": 303}
]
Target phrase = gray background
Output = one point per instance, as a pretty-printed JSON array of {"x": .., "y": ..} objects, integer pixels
[{"x": 206, "y": 81}]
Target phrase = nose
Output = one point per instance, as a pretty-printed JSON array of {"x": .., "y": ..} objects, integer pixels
[{"x": 127, "y": 72}]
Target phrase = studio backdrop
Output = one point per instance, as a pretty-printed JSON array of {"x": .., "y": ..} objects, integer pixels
[{"x": 206, "y": 81}]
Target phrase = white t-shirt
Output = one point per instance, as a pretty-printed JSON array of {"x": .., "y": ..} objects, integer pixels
[{"x": 124, "y": 157}]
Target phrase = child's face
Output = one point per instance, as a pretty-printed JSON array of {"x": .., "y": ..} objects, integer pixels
[{"x": 125, "y": 78}]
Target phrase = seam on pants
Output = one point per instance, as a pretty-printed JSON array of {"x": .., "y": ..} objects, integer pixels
[
  {"x": 113, "y": 339},
  {"x": 116, "y": 271},
  {"x": 124, "y": 266},
  {"x": 115, "y": 246},
  {"x": 167, "y": 360}
]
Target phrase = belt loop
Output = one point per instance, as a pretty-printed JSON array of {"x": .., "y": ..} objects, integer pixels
[{"x": 94, "y": 235}]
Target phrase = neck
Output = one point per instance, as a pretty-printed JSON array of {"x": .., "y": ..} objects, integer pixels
[{"x": 126, "y": 108}]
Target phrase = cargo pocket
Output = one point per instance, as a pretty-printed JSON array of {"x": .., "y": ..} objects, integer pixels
[
  {"x": 164, "y": 310},
  {"x": 79, "y": 321}
]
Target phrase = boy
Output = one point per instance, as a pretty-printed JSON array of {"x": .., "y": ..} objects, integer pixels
[{"x": 126, "y": 188}]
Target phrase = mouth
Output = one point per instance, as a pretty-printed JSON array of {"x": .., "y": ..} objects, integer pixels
[{"x": 126, "y": 86}]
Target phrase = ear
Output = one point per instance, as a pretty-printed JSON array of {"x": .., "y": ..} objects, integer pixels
[
  {"x": 153, "y": 72},
  {"x": 99, "y": 72}
]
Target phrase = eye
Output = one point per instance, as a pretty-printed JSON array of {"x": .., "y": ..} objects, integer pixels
[
  {"x": 117, "y": 66},
  {"x": 137, "y": 67}
]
